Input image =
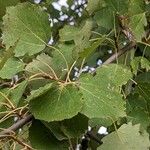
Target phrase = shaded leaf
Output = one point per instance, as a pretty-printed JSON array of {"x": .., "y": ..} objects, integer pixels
[
  {"x": 95, "y": 5},
  {"x": 42, "y": 139},
  {"x": 106, "y": 15},
  {"x": 75, "y": 126},
  {"x": 68, "y": 128},
  {"x": 140, "y": 63},
  {"x": 55, "y": 128}
]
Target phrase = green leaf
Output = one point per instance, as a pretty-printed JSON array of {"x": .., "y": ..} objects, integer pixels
[
  {"x": 55, "y": 128},
  {"x": 101, "y": 93},
  {"x": 143, "y": 77},
  {"x": 59, "y": 103},
  {"x": 17, "y": 92},
  {"x": 56, "y": 66},
  {"x": 106, "y": 15},
  {"x": 140, "y": 63},
  {"x": 40, "y": 91},
  {"x": 68, "y": 33},
  {"x": 80, "y": 35},
  {"x": 138, "y": 110},
  {"x": 138, "y": 102},
  {"x": 7, "y": 123},
  {"x": 6, "y": 3},
  {"x": 6, "y": 55},
  {"x": 69, "y": 128},
  {"x": 91, "y": 49},
  {"x": 29, "y": 25},
  {"x": 42, "y": 64},
  {"x": 137, "y": 24},
  {"x": 82, "y": 38},
  {"x": 127, "y": 137},
  {"x": 136, "y": 7},
  {"x": 42, "y": 139},
  {"x": 11, "y": 68},
  {"x": 93, "y": 6},
  {"x": 100, "y": 122},
  {"x": 3, "y": 93},
  {"x": 75, "y": 126}
]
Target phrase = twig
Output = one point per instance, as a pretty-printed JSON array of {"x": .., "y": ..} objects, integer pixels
[
  {"x": 93, "y": 137},
  {"x": 119, "y": 53},
  {"x": 16, "y": 126},
  {"x": 28, "y": 118},
  {"x": 18, "y": 141}
]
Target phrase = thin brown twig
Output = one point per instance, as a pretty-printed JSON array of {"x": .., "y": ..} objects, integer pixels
[
  {"x": 17, "y": 125},
  {"x": 18, "y": 141},
  {"x": 29, "y": 117}
]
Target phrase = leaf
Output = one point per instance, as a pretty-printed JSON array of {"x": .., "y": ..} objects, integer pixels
[
  {"x": 6, "y": 55},
  {"x": 42, "y": 64},
  {"x": 42, "y": 139},
  {"x": 137, "y": 24},
  {"x": 136, "y": 7},
  {"x": 101, "y": 93},
  {"x": 29, "y": 25},
  {"x": 143, "y": 77},
  {"x": 69, "y": 128},
  {"x": 91, "y": 49},
  {"x": 56, "y": 66},
  {"x": 137, "y": 110},
  {"x": 55, "y": 128},
  {"x": 68, "y": 33},
  {"x": 93, "y": 6},
  {"x": 6, "y": 3},
  {"x": 59, "y": 103},
  {"x": 100, "y": 122},
  {"x": 75, "y": 126},
  {"x": 139, "y": 63},
  {"x": 40, "y": 91},
  {"x": 80, "y": 35},
  {"x": 11, "y": 68},
  {"x": 82, "y": 38},
  {"x": 127, "y": 137},
  {"x": 3, "y": 92},
  {"x": 17, "y": 93},
  {"x": 106, "y": 15},
  {"x": 138, "y": 102},
  {"x": 104, "y": 18}
]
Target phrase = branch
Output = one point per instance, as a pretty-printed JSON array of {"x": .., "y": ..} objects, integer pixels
[
  {"x": 119, "y": 53},
  {"x": 28, "y": 118},
  {"x": 16, "y": 126},
  {"x": 126, "y": 48},
  {"x": 92, "y": 136},
  {"x": 26, "y": 146}
]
